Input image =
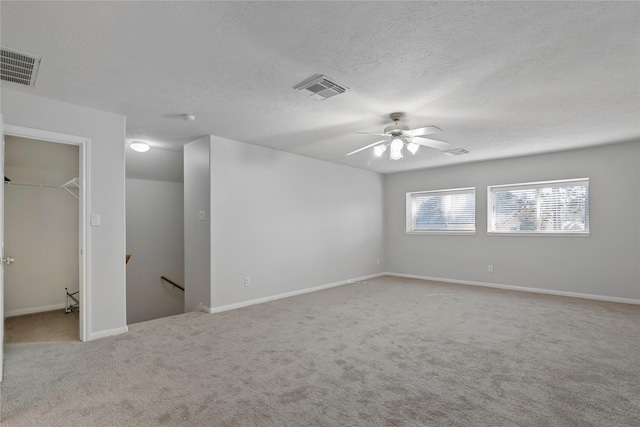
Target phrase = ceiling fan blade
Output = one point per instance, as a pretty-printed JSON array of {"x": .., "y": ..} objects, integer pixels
[
  {"x": 431, "y": 143},
  {"x": 427, "y": 130},
  {"x": 368, "y": 146},
  {"x": 369, "y": 133}
]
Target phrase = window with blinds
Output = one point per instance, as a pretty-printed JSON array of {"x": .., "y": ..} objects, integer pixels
[
  {"x": 551, "y": 207},
  {"x": 442, "y": 211}
]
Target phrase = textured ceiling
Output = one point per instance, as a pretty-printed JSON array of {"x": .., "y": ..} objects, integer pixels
[{"x": 500, "y": 78}]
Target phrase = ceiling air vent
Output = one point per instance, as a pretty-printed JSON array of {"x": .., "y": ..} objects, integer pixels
[
  {"x": 19, "y": 67},
  {"x": 456, "y": 152},
  {"x": 321, "y": 87}
]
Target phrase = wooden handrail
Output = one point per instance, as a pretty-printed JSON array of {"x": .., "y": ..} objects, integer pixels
[{"x": 172, "y": 282}]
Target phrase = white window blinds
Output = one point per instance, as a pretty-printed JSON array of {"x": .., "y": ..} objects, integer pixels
[
  {"x": 552, "y": 207},
  {"x": 443, "y": 210}
]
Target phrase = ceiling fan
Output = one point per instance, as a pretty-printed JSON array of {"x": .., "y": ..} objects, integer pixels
[{"x": 397, "y": 137}]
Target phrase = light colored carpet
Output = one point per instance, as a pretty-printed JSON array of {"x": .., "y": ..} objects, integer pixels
[
  {"x": 48, "y": 326},
  {"x": 391, "y": 352}
]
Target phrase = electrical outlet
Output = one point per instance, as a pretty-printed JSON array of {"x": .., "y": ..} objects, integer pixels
[
  {"x": 378, "y": 261},
  {"x": 247, "y": 281},
  {"x": 490, "y": 268}
]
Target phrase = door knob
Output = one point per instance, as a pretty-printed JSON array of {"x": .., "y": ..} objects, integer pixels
[{"x": 8, "y": 260}]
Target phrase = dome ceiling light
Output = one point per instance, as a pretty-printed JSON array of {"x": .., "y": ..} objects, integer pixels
[{"x": 139, "y": 146}]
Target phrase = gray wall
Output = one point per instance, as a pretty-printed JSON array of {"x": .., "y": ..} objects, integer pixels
[
  {"x": 107, "y": 241},
  {"x": 157, "y": 164},
  {"x": 605, "y": 264},
  {"x": 155, "y": 239},
  {"x": 289, "y": 222},
  {"x": 197, "y": 232}
]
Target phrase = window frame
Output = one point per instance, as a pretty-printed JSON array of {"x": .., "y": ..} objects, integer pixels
[
  {"x": 537, "y": 185},
  {"x": 409, "y": 215}
]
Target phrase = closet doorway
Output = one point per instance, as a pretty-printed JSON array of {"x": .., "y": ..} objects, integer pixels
[{"x": 43, "y": 216}]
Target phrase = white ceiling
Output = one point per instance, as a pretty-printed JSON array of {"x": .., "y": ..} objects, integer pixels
[{"x": 500, "y": 78}]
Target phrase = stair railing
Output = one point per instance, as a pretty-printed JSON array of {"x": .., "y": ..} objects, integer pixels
[{"x": 172, "y": 282}]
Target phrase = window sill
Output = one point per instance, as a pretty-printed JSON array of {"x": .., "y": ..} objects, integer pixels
[
  {"x": 493, "y": 233},
  {"x": 443, "y": 233}
]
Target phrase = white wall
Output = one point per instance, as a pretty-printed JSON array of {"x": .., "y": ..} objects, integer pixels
[
  {"x": 289, "y": 222},
  {"x": 197, "y": 231},
  {"x": 604, "y": 264},
  {"x": 107, "y": 241},
  {"x": 155, "y": 239}
]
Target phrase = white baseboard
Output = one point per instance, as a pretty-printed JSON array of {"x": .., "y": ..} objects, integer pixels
[
  {"x": 290, "y": 294},
  {"x": 202, "y": 307},
  {"x": 108, "y": 333},
  {"x": 20, "y": 312},
  {"x": 521, "y": 288}
]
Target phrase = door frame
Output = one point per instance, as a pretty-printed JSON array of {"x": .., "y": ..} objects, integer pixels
[{"x": 84, "y": 203}]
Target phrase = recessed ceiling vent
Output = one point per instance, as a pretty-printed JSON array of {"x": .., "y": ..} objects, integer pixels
[
  {"x": 19, "y": 67},
  {"x": 456, "y": 152},
  {"x": 321, "y": 87}
]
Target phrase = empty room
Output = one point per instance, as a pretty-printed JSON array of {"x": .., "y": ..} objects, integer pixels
[{"x": 315, "y": 213}]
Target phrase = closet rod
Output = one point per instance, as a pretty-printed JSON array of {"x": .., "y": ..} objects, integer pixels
[{"x": 29, "y": 184}]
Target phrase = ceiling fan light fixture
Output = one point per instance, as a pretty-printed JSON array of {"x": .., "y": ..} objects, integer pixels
[
  {"x": 380, "y": 149},
  {"x": 413, "y": 147},
  {"x": 396, "y": 154},
  {"x": 401, "y": 136},
  {"x": 396, "y": 149}
]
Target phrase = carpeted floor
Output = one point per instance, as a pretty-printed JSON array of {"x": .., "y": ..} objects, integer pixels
[
  {"x": 390, "y": 352},
  {"x": 48, "y": 326}
]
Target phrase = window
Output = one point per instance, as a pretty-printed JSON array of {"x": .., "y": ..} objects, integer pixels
[
  {"x": 450, "y": 211},
  {"x": 552, "y": 207}
]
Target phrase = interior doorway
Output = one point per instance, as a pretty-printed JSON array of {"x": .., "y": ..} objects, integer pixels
[
  {"x": 41, "y": 220},
  {"x": 44, "y": 223},
  {"x": 154, "y": 233}
]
